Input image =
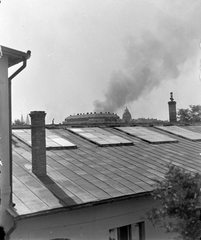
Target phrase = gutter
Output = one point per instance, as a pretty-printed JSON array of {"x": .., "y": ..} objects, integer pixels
[
  {"x": 84, "y": 205},
  {"x": 22, "y": 67}
]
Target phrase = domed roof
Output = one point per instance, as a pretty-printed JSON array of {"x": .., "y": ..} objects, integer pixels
[{"x": 126, "y": 115}]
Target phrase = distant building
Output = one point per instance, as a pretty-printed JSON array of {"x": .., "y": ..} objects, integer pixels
[
  {"x": 126, "y": 116},
  {"x": 27, "y": 120},
  {"x": 147, "y": 121},
  {"x": 92, "y": 117}
]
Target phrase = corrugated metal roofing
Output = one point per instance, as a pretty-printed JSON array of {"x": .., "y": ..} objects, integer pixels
[{"x": 91, "y": 174}]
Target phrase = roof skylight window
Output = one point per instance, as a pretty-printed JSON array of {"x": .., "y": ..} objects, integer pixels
[
  {"x": 53, "y": 140},
  {"x": 100, "y": 136},
  {"x": 147, "y": 135},
  {"x": 181, "y": 132}
]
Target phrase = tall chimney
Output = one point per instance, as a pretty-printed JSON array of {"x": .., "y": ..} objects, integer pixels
[
  {"x": 172, "y": 109},
  {"x": 38, "y": 142}
]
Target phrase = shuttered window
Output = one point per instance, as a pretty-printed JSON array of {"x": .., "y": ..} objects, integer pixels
[{"x": 134, "y": 231}]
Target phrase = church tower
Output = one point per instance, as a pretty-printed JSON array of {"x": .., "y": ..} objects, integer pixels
[{"x": 126, "y": 116}]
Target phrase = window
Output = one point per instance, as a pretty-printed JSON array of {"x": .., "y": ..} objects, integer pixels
[
  {"x": 141, "y": 230},
  {"x": 147, "y": 135},
  {"x": 134, "y": 231},
  {"x": 100, "y": 136},
  {"x": 124, "y": 233}
]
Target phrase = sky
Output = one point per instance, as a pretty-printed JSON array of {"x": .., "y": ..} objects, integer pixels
[{"x": 103, "y": 55}]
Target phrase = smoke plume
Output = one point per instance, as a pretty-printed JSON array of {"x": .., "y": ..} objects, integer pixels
[{"x": 153, "y": 57}]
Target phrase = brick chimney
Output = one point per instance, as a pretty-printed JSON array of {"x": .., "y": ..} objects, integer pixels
[
  {"x": 38, "y": 142},
  {"x": 172, "y": 109}
]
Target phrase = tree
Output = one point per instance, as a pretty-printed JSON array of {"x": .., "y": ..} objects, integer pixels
[
  {"x": 184, "y": 115},
  {"x": 192, "y": 114},
  {"x": 178, "y": 197},
  {"x": 18, "y": 122},
  {"x": 196, "y": 113}
]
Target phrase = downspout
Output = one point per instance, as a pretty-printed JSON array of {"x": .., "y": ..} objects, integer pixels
[
  {"x": 10, "y": 132},
  {"x": 10, "y": 113}
]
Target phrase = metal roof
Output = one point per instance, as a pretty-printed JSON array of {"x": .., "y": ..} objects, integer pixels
[{"x": 94, "y": 174}]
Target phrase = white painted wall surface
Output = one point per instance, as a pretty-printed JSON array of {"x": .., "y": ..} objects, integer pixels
[
  {"x": 90, "y": 223},
  {"x": 5, "y": 146}
]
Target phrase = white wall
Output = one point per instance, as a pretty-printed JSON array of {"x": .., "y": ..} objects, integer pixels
[
  {"x": 89, "y": 223},
  {"x": 5, "y": 146}
]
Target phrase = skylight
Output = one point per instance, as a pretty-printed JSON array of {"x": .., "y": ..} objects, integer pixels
[
  {"x": 100, "y": 136},
  {"x": 147, "y": 135},
  {"x": 53, "y": 140},
  {"x": 181, "y": 132}
]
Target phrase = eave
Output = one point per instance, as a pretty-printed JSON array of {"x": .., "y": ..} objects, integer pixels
[
  {"x": 84, "y": 205},
  {"x": 14, "y": 56}
]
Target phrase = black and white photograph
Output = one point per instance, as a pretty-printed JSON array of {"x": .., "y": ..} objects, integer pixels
[{"x": 100, "y": 120}]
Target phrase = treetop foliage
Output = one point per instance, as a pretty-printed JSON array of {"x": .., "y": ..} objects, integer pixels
[
  {"x": 178, "y": 197},
  {"x": 192, "y": 114}
]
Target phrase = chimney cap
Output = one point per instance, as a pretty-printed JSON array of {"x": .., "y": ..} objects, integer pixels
[
  {"x": 37, "y": 112},
  {"x": 171, "y": 96}
]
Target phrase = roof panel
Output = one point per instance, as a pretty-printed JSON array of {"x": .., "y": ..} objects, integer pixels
[
  {"x": 181, "y": 132},
  {"x": 147, "y": 135},
  {"x": 52, "y": 140},
  {"x": 100, "y": 136}
]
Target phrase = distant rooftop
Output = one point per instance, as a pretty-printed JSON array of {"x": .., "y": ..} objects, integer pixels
[
  {"x": 92, "y": 117},
  {"x": 107, "y": 119}
]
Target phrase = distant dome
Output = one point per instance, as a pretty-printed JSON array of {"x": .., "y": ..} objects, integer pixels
[{"x": 126, "y": 116}]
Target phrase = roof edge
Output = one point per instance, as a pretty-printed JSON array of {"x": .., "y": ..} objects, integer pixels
[
  {"x": 84, "y": 205},
  {"x": 15, "y": 56}
]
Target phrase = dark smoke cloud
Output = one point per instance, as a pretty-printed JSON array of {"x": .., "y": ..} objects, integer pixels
[{"x": 152, "y": 58}]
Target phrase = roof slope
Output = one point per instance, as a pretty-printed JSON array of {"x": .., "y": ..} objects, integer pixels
[{"x": 92, "y": 173}]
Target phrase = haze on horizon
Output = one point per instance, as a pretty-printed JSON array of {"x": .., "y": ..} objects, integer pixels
[{"x": 103, "y": 55}]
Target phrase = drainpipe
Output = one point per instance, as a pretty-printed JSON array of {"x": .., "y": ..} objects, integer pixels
[
  {"x": 10, "y": 57},
  {"x": 10, "y": 111}
]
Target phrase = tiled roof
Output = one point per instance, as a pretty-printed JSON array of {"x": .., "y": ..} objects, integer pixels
[{"x": 91, "y": 173}]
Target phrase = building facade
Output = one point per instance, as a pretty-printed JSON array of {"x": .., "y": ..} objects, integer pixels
[
  {"x": 92, "y": 118},
  {"x": 122, "y": 219}
]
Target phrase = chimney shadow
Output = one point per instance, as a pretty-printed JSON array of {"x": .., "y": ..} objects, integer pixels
[{"x": 63, "y": 198}]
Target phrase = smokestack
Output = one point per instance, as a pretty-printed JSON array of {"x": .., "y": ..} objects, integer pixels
[
  {"x": 38, "y": 142},
  {"x": 172, "y": 109}
]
